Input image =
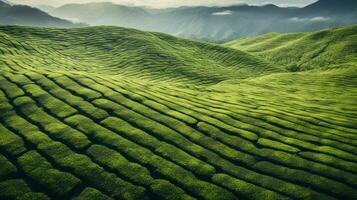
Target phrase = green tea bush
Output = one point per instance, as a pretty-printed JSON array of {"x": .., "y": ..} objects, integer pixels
[
  {"x": 53, "y": 126},
  {"x": 11, "y": 90},
  {"x": 55, "y": 106},
  {"x": 10, "y": 143},
  {"x": 108, "y": 182},
  {"x": 56, "y": 181},
  {"x": 305, "y": 178},
  {"x": 83, "y": 167},
  {"x": 324, "y": 170},
  {"x": 166, "y": 150},
  {"x": 166, "y": 133},
  {"x": 7, "y": 168},
  {"x": 75, "y": 88},
  {"x": 277, "y": 145},
  {"x": 33, "y": 195},
  {"x": 145, "y": 157},
  {"x": 91, "y": 194},
  {"x": 166, "y": 190},
  {"x": 330, "y": 160},
  {"x": 13, "y": 188},
  {"x": 245, "y": 189},
  {"x": 120, "y": 164},
  {"x": 19, "y": 79},
  {"x": 75, "y": 101}
]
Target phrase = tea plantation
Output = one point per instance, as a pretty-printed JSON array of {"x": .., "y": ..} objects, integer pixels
[{"x": 113, "y": 113}]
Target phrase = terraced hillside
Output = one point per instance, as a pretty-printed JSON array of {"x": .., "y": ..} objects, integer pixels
[
  {"x": 304, "y": 51},
  {"x": 112, "y": 113},
  {"x": 127, "y": 52}
]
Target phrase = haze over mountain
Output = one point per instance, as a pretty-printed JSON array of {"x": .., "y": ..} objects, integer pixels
[
  {"x": 26, "y": 15},
  {"x": 169, "y": 3},
  {"x": 216, "y": 23}
]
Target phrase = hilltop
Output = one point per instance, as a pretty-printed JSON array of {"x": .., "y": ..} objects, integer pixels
[
  {"x": 304, "y": 51},
  {"x": 114, "y": 50}
]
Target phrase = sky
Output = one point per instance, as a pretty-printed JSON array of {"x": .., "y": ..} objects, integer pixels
[{"x": 169, "y": 3}]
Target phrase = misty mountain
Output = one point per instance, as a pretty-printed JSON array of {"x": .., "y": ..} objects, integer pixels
[
  {"x": 104, "y": 14},
  {"x": 216, "y": 23},
  {"x": 46, "y": 8},
  {"x": 26, "y": 15}
]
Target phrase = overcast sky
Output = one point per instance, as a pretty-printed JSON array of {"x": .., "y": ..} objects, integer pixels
[{"x": 168, "y": 3}]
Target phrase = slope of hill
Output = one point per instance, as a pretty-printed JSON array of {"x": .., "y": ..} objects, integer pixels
[
  {"x": 113, "y": 113},
  {"x": 25, "y": 15},
  {"x": 331, "y": 7},
  {"x": 216, "y": 23},
  {"x": 111, "y": 50},
  {"x": 304, "y": 51}
]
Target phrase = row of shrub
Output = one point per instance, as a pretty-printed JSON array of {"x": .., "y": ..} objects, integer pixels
[
  {"x": 274, "y": 145},
  {"x": 18, "y": 189},
  {"x": 76, "y": 102},
  {"x": 123, "y": 112},
  {"x": 79, "y": 165},
  {"x": 147, "y": 158}
]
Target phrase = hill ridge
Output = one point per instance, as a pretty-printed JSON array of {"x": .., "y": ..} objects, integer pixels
[
  {"x": 321, "y": 49},
  {"x": 138, "y": 52}
]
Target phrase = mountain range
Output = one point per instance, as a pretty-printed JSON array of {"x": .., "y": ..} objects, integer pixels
[
  {"x": 203, "y": 23},
  {"x": 216, "y": 23},
  {"x": 29, "y": 16}
]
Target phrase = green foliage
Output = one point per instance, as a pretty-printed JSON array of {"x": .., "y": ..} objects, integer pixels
[
  {"x": 91, "y": 194},
  {"x": 245, "y": 189},
  {"x": 113, "y": 113},
  {"x": 135, "y": 53},
  {"x": 7, "y": 168},
  {"x": 39, "y": 169},
  {"x": 304, "y": 51},
  {"x": 13, "y": 188},
  {"x": 10, "y": 142},
  {"x": 18, "y": 189}
]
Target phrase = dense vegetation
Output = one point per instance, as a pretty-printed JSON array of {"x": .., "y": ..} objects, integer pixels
[
  {"x": 305, "y": 51},
  {"x": 113, "y": 113}
]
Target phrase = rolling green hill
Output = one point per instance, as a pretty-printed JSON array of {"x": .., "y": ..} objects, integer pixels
[
  {"x": 119, "y": 51},
  {"x": 114, "y": 113},
  {"x": 304, "y": 51}
]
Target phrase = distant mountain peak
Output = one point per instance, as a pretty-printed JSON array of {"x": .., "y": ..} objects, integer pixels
[
  {"x": 333, "y": 3},
  {"x": 29, "y": 16},
  {"x": 4, "y": 3}
]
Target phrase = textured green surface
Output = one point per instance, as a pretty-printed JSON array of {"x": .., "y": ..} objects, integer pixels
[
  {"x": 112, "y": 113},
  {"x": 304, "y": 51}
]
